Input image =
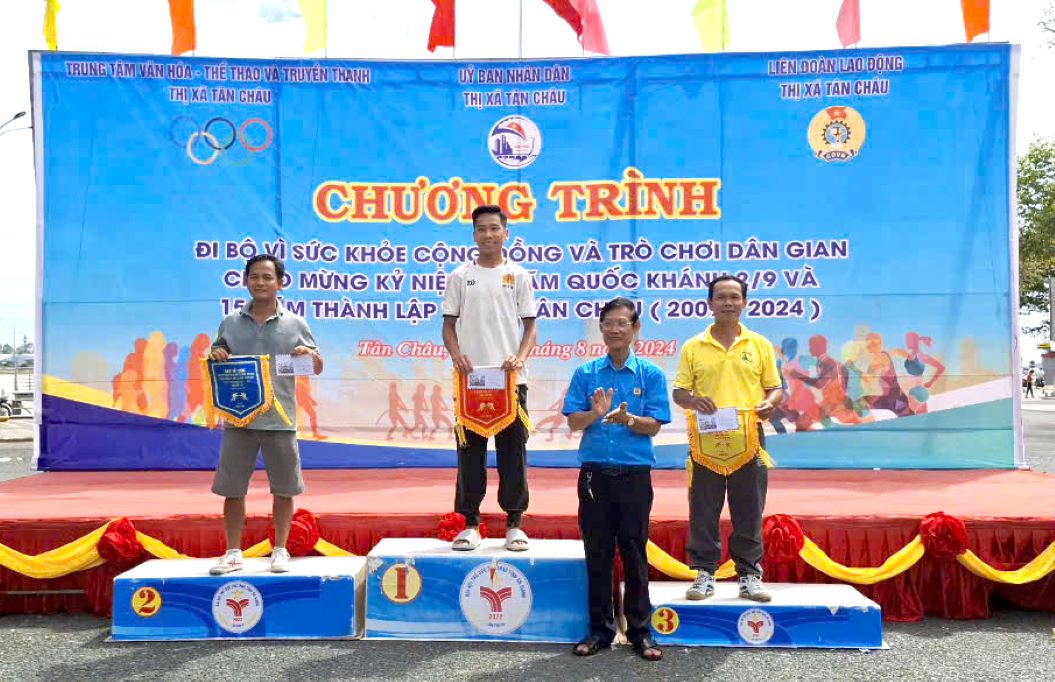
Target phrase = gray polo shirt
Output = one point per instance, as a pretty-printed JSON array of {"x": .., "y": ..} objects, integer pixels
[{"x": 239, "y": 334}]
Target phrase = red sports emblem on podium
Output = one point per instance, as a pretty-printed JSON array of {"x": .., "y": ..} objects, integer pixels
[
  {"x": 755, "y": 626},
  {"x": 495, "y": 598},
  {"x": 237, "y": 606}
]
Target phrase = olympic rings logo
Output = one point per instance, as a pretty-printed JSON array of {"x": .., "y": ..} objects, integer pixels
[{"x": 204, "y": 144}]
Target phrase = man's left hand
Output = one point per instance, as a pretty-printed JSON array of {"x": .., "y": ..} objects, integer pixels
[
  {"x": 512, "y": 364},
  {"x": 618, "y": 416},
  {"x": 764, "y": 410},
  {"x": 303, "y": 350}
]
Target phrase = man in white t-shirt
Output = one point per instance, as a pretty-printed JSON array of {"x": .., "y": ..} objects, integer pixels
[{"x": 489, "y": 321}]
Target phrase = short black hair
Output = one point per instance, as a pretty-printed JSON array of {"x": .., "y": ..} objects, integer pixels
[
  {"x": 489, "y": 208},
  {"x": 620, "y": 302},
  {"x": 725, "y": 278},
  {"x": 280, "y": 267}
]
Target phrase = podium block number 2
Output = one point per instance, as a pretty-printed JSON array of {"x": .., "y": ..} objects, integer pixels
[{"x": 146, "y": 602}]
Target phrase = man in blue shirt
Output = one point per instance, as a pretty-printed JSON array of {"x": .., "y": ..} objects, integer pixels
[{"x": 615, "y": 479}]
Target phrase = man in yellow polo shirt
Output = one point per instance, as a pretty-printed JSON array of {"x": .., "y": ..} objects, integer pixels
[{"x": 728, "y": 366}]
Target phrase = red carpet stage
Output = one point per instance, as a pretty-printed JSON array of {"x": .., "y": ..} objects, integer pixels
[{"x": 859, "y": 518}]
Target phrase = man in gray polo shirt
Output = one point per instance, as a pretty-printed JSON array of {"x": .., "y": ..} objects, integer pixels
[{"x": 262, "y": 327}]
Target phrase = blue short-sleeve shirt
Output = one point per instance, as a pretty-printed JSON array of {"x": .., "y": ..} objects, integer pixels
[{"x": 642, "y": 386}]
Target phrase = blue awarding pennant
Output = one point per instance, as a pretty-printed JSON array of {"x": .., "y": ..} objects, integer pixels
[{"x": 240, "y": 389}]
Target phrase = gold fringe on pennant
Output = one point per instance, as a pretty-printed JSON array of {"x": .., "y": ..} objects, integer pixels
[{"x": 525, "y": 419}]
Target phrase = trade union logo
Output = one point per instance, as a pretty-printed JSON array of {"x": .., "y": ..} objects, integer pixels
[
  {"x": 514, "y": 142},
  {"x": 837, "y": 134},
  {"x": 146, "y": 602},
  {"x": 237, "y": 606},
  {"x": 755, "y": 626},
  {"x": 495, "y": 598},
  {"x": 401, "y": 583}
]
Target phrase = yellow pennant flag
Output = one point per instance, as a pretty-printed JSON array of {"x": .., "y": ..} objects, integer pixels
[
  {"x": 51, "y": 32},
  {"x": 314, "y": 13},
  {"x": 712, "y": 24}
]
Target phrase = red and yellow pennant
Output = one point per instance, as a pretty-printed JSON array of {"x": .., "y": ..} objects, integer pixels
[{"x": 484, "y": 411}]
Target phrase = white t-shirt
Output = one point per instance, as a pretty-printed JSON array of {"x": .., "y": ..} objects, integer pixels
[{"x": 490, "y": 304}]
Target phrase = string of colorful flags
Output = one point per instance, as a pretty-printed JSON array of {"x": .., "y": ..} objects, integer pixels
[{"x": 709, "y": 17}]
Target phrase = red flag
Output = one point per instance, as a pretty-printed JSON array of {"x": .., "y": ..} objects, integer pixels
[
  {"x": 441, "y": 33},
  {"x": 585, "y": 19},
  {"x": 849, "y": 22},
  {"x": 184, "y": 35},
  {"x": 975, "y": 18}
]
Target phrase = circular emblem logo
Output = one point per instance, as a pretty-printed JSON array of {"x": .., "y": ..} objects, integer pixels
[
  {"x": 514, "y": 142},
  {"x": 146, "y": 602},
  {"x": 237, "y": 606},
  {"x": 665, "y": 620},
  {"x": 837, "y": 133},
  {"x": 401, "y": 583},
  {"x": 755, "y": 626},
  {"x": 495, "y": 598}
]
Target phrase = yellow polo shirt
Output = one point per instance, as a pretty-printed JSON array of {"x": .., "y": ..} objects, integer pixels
[{"x": 738, "y": 377}]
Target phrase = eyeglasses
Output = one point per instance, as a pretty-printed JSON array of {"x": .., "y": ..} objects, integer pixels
[{"x": 614, "y": 325}]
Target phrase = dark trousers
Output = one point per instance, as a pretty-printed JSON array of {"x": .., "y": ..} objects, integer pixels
[
  {"x": 614, "y": 504},
  {"x": 511, "y": 447},
  {"x": 746, "y": 488}
]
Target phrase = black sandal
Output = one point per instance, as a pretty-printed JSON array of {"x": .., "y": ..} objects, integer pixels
[
  {"x": 645, "y": 645},
  {"x": 593, "y": 644}
]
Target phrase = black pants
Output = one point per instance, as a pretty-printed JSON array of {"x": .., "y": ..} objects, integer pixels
[
  {"x": 511, "y": 447},
  {"x": 746, "y": 488},
  {"x": 614, "y": 504}
]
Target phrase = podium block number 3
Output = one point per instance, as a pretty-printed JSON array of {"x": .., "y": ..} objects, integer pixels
[{"x": 664, "y": 620}]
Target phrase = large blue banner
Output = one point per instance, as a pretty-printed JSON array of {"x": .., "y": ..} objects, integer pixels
[{"x": 864, "y": 195}]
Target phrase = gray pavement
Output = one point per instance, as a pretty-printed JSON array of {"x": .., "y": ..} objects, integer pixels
[{"x": 1013, "y": 645}]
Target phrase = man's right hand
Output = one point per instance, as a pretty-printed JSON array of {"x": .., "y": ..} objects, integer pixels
[
  {"x": 704, "y": 404},
  {"x": 219, "y": 355},
  {"x": 463, "y": 364},
  {"x": 601, "y": 403}
]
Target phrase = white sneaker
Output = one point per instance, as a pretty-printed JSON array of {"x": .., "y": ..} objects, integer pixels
[
  {"x": 279, "y": 560},
  {"x": 229, "y": 562},
  {"x": 751, "y": 587},
  {"x": 702, "y": 587}
]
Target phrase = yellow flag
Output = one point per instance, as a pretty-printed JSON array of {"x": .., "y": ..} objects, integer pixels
[
  {"x": 51, "y": 32},
  {"x": 712, "y": 24},
  {"x": 314, "y": 13}
]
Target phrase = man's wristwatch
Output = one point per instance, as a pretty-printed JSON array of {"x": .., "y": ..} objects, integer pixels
[{"x": 630, "y": 421}]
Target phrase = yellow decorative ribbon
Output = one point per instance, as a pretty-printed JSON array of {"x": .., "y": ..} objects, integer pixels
[
  {"x": 82, "y": 554},
  {"x": 1041, "y": 566},
  {"x": 899, "y": 562}
]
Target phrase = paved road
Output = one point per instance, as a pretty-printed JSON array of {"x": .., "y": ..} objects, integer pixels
[{"x": 1012, "y": 645}]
